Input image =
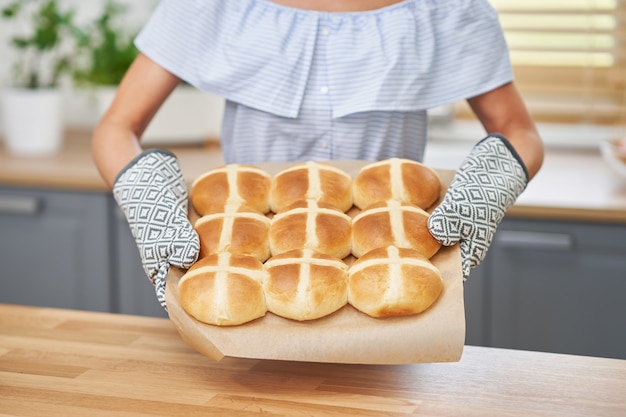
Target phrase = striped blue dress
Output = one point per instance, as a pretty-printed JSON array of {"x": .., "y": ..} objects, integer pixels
[{"x": 306, "y": 85}]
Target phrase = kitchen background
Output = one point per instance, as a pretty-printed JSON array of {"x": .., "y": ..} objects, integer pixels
[
  {"x": 554, "y": 279},
  {"x": 75, "y": 111},
  {"x": 570, "y": 60}
]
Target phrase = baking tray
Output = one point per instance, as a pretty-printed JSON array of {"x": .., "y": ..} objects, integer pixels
[{"x": 346, "y": 336}]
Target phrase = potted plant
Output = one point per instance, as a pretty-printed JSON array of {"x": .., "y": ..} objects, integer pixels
[
  {"x": 43, "y": 55},
  {"x": 108, "y": 47},
  {"x": 106, "y": 50}
]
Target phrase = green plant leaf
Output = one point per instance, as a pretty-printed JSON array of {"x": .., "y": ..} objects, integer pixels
[
  {"x": 110, "y": 48},
  {"x": 41, "y": 50}
]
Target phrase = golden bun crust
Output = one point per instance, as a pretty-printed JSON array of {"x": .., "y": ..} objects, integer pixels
[
  {"x": 228, "y": 184},
  {"x": 305, "y": 285},
  {"x": 391, "y": 281},
  {"x": 311, "y": 180},
  {"x": 394, "y": 223},
  {"x": 235, "y": 228},
  {"x": 313, "y": 225},
  {"x": 396, "y": 179},
  {"x": 224, "y": 289},
  {"x": 309, "y": 240}
]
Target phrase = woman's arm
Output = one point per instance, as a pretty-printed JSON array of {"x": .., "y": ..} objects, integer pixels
[
  {"x": 143, "y": 90},
  {"x": 490, "y": 179},
  {"x": 503, "y": 111}
]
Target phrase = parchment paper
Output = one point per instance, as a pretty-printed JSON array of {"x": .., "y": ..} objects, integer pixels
[{"x": 346, "y": 336}]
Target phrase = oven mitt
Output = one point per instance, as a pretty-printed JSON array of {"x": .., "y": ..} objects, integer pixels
[
  {"x": 152, "y": 193},
  {"x": 488, "y": 182}
]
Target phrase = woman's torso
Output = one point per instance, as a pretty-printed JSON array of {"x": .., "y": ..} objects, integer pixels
[
  {"x": 305, "y": 84},
  {"x": 316, "y": 134}
]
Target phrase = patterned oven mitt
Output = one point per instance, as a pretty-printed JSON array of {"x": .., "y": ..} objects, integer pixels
[
  {"x": 485, "y": 186},
  {"x": 152, "y": 193}
]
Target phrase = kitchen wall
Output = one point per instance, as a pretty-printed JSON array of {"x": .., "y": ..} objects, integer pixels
[{"x": 79, "y": 109}]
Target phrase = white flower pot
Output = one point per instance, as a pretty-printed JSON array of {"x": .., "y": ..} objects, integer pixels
[
  {"x": 188, "y": 116},
  {"x": 32, "y": 120}
]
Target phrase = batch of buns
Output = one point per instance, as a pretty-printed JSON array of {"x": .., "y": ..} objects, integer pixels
[{"x": 309, "y": 240}]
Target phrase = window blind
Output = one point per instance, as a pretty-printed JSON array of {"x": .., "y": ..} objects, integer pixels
[{"x": 569, "y": 57}]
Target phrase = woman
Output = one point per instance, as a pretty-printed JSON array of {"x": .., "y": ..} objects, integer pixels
[{"x": 320, "y": 80}]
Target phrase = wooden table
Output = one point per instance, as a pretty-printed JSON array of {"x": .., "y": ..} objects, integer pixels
[{"x": 66, "y": 363}]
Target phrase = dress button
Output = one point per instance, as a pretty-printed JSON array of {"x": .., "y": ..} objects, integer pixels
[
  {"x": 324, "y": 145},
  {"x": 324, "y": 90},
  {"x": 325, "y": 32}
]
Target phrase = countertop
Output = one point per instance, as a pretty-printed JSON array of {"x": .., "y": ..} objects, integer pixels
[
  {"x": 73, "y": 167},
  {"x": 572, "y": 184},
  {"x": 71, "y": 363}
]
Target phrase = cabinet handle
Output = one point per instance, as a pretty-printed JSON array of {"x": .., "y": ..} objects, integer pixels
[
  {"x": 534, "y": 240},
  {"x": 28, "y": 206}
]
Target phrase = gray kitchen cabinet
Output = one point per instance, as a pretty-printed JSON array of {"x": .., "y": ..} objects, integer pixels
[
  {"x": 54, "y": 248},
  {"x": 545, "y": 285},
  {"x": 557, "y": 286},
  {"x": 474, "y": 290},
  {"x": 134, "y": 294}
]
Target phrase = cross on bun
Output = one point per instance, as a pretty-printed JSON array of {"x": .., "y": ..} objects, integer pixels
[
  {"x": 313, "y": 225},
  {"x": 305, "y": 285},
  {"x": 391, "y": 281},
  {"x": 395, "y": 223},
  {"x": 233, "y": 183},
  {"x": 396, "y": 179},
  {"x": 224, "y": 289},
  {"x": 236, "y": 228},
  {"x": 311, "y": 181}
]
